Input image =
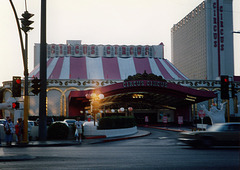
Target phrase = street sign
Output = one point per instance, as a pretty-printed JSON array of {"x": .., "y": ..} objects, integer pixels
[
  {"x": 146, "y": 119},
  {"x": 180, "y": 120},
  {"x": 165, "y": 119},
  {"x": 201, "y": 114}
]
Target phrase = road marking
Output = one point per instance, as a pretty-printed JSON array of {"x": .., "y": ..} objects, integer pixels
[{"x": 162, "y": 137}]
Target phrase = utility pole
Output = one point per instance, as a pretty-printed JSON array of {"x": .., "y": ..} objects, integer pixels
[{"x": 43, "y": 65}]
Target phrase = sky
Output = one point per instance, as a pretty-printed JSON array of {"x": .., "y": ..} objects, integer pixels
[{"x": 122, "y": 22}]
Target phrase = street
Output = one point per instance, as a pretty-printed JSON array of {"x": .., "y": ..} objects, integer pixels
[{"x": 160, "y": 150}]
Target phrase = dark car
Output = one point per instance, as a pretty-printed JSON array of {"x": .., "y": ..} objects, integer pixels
[
  {"x": 217, "y": 135},
  {"x": 50, "y": 120}
]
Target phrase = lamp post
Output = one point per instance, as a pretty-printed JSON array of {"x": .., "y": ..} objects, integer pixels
[
  {"x": 121, "y": 110},
  {"x": 25, "y": 27},
  {"x": 94, "y": 103},
  {"x": 130, "y": 109},
  {"x": 19, "y": 31}
]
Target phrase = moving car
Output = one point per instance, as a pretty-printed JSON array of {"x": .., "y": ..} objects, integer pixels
[{"x": 217, "y": 135}]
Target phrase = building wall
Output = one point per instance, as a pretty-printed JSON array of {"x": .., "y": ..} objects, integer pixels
[
  {"x": 219, "y": 19},
  {"x": 202, "y": 42},
  {"x": 189, "y": 53}
]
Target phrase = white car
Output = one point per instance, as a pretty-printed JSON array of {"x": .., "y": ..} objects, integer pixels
[
  {"x": 31, "y": 123},
  {"x": 2, "y": 121},
  {"x": 70, "y": 122}
]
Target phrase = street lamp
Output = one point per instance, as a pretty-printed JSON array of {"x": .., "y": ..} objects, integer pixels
[
  {"x": 25, "y": 27},
  {"x": 121, "y": 110},
  {"x": 130, "y": 109},
  {"x": 94, "y": 103},
  {"x": 237, "y": 32},
  {"x": 19, "y": 31}
]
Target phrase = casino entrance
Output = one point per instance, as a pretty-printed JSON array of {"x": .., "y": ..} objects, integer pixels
[
  {"x": 145, "y": 105},
  {"x": 148, "y": 99}
]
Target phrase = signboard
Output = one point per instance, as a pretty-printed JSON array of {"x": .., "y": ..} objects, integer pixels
[
  {"x": 217, "y": 24},
  {"x": 180, "y": 120},
  {"x": 218, "y": 37},
  {"x": 146, "y": 119},
  {"x": 201, "y": 114},
  {"x": 165, "y": 119},
  {"x": 79, "y": 50},
  {"x": 147, "y": 83}
]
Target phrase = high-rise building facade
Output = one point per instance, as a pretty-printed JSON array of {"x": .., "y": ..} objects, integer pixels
[{"x": 202, "y": 42}]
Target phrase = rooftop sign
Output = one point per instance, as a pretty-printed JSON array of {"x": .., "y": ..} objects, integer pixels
[{"x": 79, "y": 50}]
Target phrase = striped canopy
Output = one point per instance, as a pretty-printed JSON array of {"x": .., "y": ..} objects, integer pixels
[{"x": 115, "y": 68}]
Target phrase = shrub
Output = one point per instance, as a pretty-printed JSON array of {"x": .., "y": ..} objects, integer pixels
[
  {"x": 58, "y": 131},
  {"x": 116, "y": 122}
]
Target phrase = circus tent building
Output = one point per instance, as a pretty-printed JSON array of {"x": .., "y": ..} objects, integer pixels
[
  {"x": 75, "y": 70},
  {"x": 74, "y": 61}
]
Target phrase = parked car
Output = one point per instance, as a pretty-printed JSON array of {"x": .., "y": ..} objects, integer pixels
[
  {"x": 2, "y": 121},
  {"x": 61, "y": 122},
  {"x": 217, "y": 135},
  {"x": 50, "y": 120},
  {"x": 70, "y": 122},
  {"x": 31, "y": 123}
]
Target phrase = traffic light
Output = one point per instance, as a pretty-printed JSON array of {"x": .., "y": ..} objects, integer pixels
[
  {"x": 224, "y": 87},
  {"x": 16, "y": 86},
  {"x": 26, "y": 22},
  {"x": 234, "y": 91},
  {"x": 15, "y": 105},
  {"x": 36, "y": 86}
]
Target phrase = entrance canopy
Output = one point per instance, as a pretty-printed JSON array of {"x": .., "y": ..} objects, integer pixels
[{"x": 143, "y": 93}]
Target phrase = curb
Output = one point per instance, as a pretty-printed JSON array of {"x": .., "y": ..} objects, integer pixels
[
  {"x": 95, "y": 137},
  {"x": 123, "y": 138},
  {"x": 175, "y": 130}
]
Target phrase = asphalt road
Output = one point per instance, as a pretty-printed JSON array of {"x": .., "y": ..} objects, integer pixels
[{"x": 160, "y": 150}]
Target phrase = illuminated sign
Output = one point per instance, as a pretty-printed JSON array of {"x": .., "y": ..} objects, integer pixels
[{"x": 145, "y": 83}]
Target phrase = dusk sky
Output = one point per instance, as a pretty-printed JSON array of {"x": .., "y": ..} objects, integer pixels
[{"x": 122, "y": 22}]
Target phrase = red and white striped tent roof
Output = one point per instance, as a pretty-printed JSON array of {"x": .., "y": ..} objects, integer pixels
[{"x": 103, "y": 67}]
